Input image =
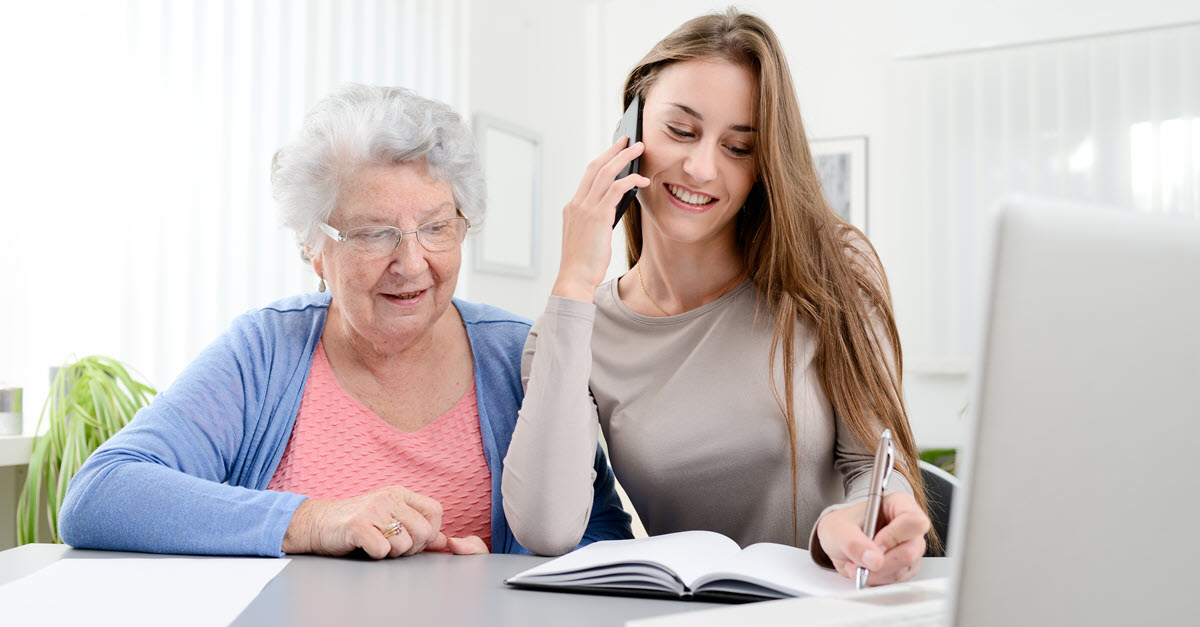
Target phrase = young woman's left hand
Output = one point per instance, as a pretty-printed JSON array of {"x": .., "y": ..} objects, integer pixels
[{"x": 894, "y": 555}]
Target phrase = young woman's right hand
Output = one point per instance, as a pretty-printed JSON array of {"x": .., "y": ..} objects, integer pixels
[
  {"x": 895, "y": 553},
  {"x": 588, "y": 220}
]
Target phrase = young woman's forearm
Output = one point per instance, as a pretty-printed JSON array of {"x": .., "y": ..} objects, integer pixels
[{"x": 549, "y": 470}]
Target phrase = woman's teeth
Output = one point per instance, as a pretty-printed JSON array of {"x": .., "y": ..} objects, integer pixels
[{"x": 690, "y": 198}]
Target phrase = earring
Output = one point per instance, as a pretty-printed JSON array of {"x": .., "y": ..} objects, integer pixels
[{"x": 321, "y": 285}]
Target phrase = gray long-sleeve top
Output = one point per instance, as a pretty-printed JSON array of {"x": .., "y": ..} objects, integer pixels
[{"x": 694, "y": 431}]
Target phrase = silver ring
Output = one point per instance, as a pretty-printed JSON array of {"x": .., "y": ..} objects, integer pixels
[{"x": 392, "y": 530}]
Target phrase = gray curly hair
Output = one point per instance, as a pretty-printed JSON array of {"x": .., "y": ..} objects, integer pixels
[{"x": 360, "y": 125}]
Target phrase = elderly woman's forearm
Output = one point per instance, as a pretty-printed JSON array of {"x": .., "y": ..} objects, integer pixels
[
  {"x": 141, "y": 506},
  {"x": 298, "y": 537}
]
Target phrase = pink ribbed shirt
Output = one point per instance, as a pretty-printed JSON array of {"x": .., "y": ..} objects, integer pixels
[{"x": 339, "y": 449}]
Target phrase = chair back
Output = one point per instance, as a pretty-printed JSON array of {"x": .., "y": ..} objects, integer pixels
[{"x": 939, "y": 490}]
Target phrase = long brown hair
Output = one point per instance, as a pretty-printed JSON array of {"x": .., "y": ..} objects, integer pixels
[{"x": 806, "y": 262}]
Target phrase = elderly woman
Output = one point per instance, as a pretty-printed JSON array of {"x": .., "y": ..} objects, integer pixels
[{"x": 375, "y": 415}]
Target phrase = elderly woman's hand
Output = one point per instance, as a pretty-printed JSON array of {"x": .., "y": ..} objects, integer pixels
[
  {"x": 894, "y": 556},
  {"x": 361, "y": 522}
]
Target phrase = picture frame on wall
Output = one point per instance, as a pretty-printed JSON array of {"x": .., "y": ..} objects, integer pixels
[
  {"x": 841, "y": 164},
  {"x": 508, "y": 241}
]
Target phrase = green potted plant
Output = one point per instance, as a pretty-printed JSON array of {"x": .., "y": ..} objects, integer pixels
[{"x": 89, "y": 401}]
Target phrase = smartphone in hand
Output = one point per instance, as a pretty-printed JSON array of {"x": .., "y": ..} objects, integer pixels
[{"x": 631, "y": 127}]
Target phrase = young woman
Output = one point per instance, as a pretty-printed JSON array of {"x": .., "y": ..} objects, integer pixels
[{"x": 744, "y": 367}]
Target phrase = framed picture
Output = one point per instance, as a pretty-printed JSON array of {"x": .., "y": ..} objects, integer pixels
[
  {"x": 841, "y": 164},
  {"x": 508, "y": 241}
]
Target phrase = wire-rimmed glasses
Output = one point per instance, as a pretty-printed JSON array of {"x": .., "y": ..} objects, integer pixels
[{"x": 378, "y": 241}]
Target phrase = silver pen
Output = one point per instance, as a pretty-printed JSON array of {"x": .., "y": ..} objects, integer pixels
[{"x": 885, "y": 459}]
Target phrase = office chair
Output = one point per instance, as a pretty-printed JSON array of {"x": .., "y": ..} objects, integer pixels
[{"x": 939, "y": 489}]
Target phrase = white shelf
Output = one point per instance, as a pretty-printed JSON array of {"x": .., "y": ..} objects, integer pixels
[{"x": 15, "y": 449}]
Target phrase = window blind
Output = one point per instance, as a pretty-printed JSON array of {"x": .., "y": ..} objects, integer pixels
[{"x": 1111, "y": 119}]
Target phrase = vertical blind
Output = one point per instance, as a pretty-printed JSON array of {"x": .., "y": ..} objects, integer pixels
[
  {"x": 144, "y": 139},
  {"x": 1112, "y": 119}
]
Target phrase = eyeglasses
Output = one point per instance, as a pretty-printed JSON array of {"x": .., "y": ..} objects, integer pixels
[{"x": 379, "y": 241}]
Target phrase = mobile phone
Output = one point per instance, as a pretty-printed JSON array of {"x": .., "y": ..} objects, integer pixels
[{"x": 631, "y": 127}]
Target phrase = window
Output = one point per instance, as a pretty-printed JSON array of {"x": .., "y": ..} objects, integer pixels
[{"x": 1111, "y": 119}]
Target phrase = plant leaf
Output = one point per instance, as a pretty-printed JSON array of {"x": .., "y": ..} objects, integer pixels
[{"x": 90, "y": 400}]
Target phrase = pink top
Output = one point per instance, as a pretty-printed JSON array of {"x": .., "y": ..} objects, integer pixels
[{"x": 339, "y": 449}]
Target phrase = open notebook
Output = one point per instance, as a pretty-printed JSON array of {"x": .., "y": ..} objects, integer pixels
[{"x": 690, "y": 564}]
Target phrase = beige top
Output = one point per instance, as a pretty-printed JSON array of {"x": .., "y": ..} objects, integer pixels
[{"x": 694, "y": 432}]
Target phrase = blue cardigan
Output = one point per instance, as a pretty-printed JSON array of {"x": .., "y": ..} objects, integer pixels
[{"x": 189, "y": 473}]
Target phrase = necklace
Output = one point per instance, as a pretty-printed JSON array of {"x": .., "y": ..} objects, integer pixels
[
  {"x": 642, "y": 282},
  {"x": 648, "y": 293}
]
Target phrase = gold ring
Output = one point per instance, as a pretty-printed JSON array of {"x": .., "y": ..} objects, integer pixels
[{"x": 392, "y": 530}]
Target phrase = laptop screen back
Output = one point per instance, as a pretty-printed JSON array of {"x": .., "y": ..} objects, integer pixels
[{"x": 1084, "y": 466}]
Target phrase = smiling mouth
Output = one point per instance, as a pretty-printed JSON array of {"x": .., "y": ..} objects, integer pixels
[
  {"x": 405, "y": 295},
  {"x": 694, "y": 199}
]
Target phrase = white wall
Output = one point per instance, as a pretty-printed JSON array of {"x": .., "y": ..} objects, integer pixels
[
  {"x": 526, "y": 69},
  {"x": 557, "y": 68}
]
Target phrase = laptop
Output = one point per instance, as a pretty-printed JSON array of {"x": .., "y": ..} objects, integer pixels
[
  {"x": 1083, "y": 472},
  {"x": 1082, "y": 476}
]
